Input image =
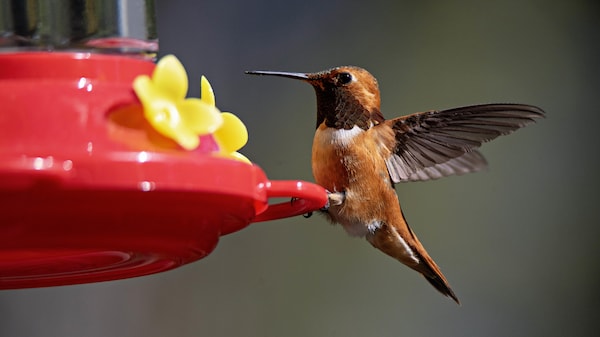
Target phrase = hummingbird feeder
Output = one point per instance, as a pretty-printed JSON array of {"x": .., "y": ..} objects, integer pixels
[{"x": 94, "y": 184}]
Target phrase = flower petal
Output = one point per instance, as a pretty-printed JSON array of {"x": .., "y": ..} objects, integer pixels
[
  {"x": 144, "y": 89},
  {"x": 232, "y": 135},
  {"x": 199, "y": 117},
  {"x": 169, "y": 77},
  {"x": 165, "y": 118},
  {"x": 187, "y": 140},
  {"x": 239, "y": 156},
  {"x": 207, "y": 94}
]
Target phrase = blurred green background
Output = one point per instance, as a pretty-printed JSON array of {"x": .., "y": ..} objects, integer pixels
[{"x": 518, "y": 243}]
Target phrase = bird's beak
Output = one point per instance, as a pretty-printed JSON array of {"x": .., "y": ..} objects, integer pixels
[{"x": 297, "y": 76}]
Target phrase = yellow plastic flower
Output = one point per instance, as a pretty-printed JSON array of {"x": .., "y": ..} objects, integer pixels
[
  {"x": 185, "y": 120},
  {"x": 167, "y": 109}
]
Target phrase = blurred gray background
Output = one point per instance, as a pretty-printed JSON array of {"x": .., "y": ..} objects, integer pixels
[{"x": 518, "y": 243}]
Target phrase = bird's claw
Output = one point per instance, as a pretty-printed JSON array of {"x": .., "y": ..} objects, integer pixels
[
  {"x": 334, "y": 199},
  {"x": 307, "y": 215}
]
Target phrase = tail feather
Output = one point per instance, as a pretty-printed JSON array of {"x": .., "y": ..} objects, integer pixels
[
  {"x": 406, "y": 248},
  {"x": 439, "y": 282},
  {"x": 432, "y": 273}
]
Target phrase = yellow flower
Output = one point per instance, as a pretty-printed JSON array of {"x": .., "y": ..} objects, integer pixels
[
  {"x": 185, "y": 120},
  {"x": 167, "y": 109}
]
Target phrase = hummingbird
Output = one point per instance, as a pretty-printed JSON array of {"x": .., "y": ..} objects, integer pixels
[{"x": 358, "y": 156}]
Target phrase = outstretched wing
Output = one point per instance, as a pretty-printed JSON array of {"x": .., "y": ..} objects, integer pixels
[{"x": 435, "y": 144}]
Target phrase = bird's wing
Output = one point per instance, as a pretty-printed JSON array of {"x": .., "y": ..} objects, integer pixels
[{"x": 435, "y": 144}]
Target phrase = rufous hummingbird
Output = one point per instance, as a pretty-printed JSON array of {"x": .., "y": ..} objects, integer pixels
[{"x": 358, "y": 156}]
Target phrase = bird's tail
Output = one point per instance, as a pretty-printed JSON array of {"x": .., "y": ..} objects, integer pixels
[
  {"x": 439, "y": 282},
  {"x": 402, "y": 244}
]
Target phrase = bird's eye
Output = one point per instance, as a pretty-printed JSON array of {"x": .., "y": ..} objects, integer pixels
[{"x": 344, "y": 78}]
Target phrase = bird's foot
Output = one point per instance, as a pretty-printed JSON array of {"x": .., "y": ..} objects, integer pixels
[{"x": 334, "y": 199}]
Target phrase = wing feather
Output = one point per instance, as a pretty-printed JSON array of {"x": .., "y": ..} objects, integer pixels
[{"x": 435, "y": 144}]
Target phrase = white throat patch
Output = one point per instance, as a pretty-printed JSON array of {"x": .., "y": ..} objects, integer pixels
[{"x": 345, "y": 137}]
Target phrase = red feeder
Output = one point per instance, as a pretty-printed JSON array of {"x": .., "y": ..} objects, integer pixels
[{"x": 78, "y": 206}]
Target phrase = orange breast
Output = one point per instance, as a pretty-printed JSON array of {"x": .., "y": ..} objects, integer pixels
[
  {"x": 341, "y": 157},
  {"x": 353, "y": 161},
  {"x": 327, "y": 161}
]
